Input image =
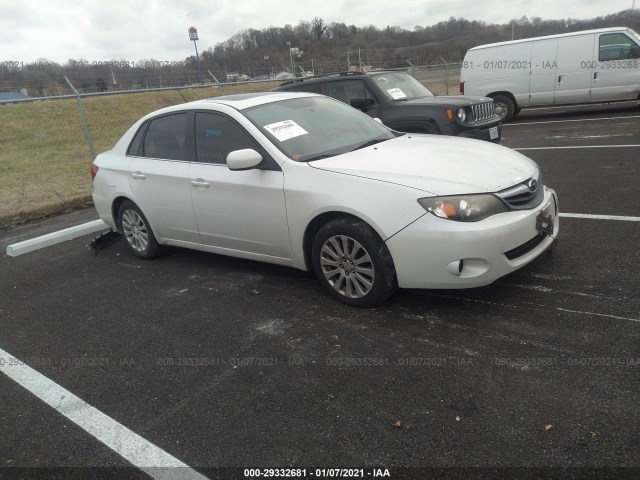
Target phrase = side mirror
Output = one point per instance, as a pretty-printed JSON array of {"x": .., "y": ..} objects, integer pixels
[
  {"x": 362, "y": 103},
  {"x": 243, "y": 159}
]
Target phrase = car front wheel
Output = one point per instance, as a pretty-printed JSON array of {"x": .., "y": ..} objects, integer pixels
[
  {"x": 353, "y": 263},
  {"x": 135, "y": 229}
]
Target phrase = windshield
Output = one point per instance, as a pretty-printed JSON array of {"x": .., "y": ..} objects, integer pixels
[
  {"x": 400, "y": 86},
  {"x": 311, "y": 128}
]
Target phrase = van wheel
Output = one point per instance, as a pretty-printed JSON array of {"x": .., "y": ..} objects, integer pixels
[{"x": 505, "y": 107}]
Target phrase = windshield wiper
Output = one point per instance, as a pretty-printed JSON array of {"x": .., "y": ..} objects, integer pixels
[{"x": 369, "y": 143}]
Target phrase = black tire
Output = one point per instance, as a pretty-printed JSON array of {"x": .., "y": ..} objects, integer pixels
[
  {"x": 505, "y": 108},
  {"x": 136, "y": 231},
  {"x": 366, "y": 277}
]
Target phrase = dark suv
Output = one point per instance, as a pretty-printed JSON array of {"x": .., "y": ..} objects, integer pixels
[{"x": 404, "y": 104}]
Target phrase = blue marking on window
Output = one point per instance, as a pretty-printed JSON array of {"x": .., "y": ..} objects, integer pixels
[{"x": 211, "y": 132}]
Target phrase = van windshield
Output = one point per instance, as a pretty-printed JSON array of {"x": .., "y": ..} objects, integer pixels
[{"x": 400, "y": 86}]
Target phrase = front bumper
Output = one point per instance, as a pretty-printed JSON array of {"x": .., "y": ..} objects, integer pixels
[
  {"x": 483, "y": 133},
  {"x": 427, "y": 253}
]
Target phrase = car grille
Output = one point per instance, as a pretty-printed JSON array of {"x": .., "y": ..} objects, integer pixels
[
  {"x": 522, "y": 196},
  {"x": 483, "y": 111}
]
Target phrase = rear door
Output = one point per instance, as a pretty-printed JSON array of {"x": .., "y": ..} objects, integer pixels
[
  {"x": 158, "y": 177},
  {"x": 347, "y": 90},
  {"x": 573, "y": 75},
  {"x": 617, "y": 72},
  {"x": 542, "y": 83}
]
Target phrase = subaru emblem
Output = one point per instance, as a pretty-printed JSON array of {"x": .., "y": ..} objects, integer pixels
[{"x": 532, "y": 184}]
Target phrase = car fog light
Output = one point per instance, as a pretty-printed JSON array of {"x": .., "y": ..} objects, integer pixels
[{"x": 455, "y": 268}]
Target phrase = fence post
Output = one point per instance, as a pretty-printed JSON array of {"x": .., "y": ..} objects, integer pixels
[
  {"x": 446, "y": 81},
  {"x": 218, "y": 84},
  {"x": 84, "y": 120}
]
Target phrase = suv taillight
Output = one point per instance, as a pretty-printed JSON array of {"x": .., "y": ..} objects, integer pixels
[
  {"x": 94, "y": 170},
  {"x": 461, "y": 88}
]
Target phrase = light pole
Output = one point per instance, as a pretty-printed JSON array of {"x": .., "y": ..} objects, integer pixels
[{"x": 193, "y": 35}]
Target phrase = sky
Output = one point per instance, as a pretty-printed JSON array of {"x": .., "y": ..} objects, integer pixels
[{"x": 134, "y": 30}]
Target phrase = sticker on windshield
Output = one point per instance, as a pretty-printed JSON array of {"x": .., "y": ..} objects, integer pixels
[
  {"x": 396, "y": 93},
  {"x": 285, "y": 130}
]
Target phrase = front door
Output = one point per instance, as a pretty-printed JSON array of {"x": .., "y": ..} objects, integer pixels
[
  {"x": 236, "y": 210},
  {"x": 617, "y": 72}
]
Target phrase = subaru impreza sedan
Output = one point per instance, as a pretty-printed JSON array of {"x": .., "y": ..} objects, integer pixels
[{"x": 303, "y": 180}]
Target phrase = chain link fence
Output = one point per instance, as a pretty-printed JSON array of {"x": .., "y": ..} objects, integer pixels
[{"x": 45, "y": 157}]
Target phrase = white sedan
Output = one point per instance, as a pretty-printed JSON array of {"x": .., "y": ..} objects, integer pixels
[{"x": 306, "y": 181}]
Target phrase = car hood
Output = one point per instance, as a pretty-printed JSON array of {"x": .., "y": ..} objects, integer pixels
[
  {"x": 435, "y": 164},
  {"x": 457, "y": 101}
]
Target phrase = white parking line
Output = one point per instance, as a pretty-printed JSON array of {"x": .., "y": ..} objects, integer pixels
[
  {"x": 55, "y": 237},
  {"x": 576, "y": 146},
  {"x": 600, "y": 217},
  {"x": 144, "y": 455},
  {"x": 564, "y": 121}
]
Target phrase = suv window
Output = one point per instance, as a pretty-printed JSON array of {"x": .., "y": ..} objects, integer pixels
[
  {"x": 307, "y": 87},
  {"x": 346, "y": 90},
  {"x": 166, "y": 137},
  {"x": 217, "y": 136},
  {"x": 617, "y": 46}
]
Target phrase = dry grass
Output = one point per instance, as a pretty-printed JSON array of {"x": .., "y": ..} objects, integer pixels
[{"x": 44, "y": 158}]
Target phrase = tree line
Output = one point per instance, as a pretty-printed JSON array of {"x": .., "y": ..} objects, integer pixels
[{"x": 310, "y": 46}]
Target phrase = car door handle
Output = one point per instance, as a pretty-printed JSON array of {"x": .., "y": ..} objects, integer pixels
[
  {"x": 595, "y": 76},
  {"x": 200, "y": 183},
  {"x": 138, "y": 175},
  {"x": 559, "y": 79}
]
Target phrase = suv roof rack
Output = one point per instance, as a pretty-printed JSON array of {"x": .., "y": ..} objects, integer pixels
[{"x": 324, "y": 75}]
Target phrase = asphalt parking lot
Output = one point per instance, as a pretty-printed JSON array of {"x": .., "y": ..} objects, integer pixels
[{"x": 220, "y": 362}]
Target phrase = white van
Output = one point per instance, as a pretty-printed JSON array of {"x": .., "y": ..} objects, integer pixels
[{"x": 592, "y": 66}]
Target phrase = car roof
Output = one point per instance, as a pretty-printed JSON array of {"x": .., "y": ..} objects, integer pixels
[{"x": 240, "y": 101}]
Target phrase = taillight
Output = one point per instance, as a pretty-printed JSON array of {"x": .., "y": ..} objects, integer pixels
[
  {"x": 94, "y": 170},
  {"x": 461, "y": 88}
]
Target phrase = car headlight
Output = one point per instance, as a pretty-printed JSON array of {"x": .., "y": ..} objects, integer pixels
[
  {"x": 464, "y": 208},
  {"x": 462, "y": 115}
]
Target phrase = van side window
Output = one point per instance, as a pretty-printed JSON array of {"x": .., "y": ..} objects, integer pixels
[{"x": 617, "y": 46}]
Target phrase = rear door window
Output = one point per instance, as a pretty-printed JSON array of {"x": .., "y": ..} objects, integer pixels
[{"x": 166, "y": 137}]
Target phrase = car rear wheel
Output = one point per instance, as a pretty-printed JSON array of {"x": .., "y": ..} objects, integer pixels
[
  {"x": 135, "y": 229},
  {"x": 353, "y": 263},
  {"x": 504, "y": 107}
]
